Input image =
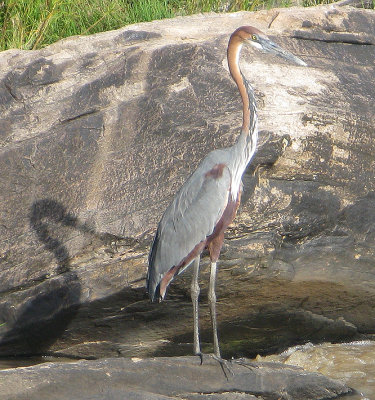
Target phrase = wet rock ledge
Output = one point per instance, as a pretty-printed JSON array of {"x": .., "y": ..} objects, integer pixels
[{"x": 166, "y": 378}]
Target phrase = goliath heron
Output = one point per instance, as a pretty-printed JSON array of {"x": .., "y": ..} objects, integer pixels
[{"x": 207, "y": 202}]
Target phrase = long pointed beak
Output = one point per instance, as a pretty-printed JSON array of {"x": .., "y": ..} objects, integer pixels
[{"x": 271, "y": 47}]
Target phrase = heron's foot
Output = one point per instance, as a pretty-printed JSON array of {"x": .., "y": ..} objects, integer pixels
[
  {"x": 200, "y": 355},
  {"x": 245, "y": 363},
  {"x": 224, "y": 364}
]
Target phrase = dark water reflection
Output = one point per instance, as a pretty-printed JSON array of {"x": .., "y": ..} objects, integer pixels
[{"x": 17, "y": 362}]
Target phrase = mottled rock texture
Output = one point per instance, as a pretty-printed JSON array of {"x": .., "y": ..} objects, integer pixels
[
  {"x": 97, "y": 133},
  {"x": 165, "y": 378}
]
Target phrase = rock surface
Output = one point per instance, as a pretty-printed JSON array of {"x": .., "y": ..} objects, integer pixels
[
  {"x": 97, "y": 134},
  {"x": 165, "y": 378}
]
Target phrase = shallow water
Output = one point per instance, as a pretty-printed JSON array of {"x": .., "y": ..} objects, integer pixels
[{"x": 352, "y": 363}]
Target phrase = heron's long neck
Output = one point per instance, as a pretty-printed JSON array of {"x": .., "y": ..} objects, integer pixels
[{"x": 249, "y": 131}]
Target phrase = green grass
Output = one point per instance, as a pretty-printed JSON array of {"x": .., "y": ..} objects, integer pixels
[{"x": 32, "y": 24}]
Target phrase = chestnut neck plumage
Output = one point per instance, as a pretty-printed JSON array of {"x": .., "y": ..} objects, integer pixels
[{"x": 246, "y": 143}]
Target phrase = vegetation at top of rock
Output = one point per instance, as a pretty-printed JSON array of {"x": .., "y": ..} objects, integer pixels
[{"x": 34, "y": 24}]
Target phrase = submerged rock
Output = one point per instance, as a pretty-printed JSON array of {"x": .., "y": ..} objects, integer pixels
[
  {"x": 98, "y": 133},
  {"x": 166, "y": 378}
]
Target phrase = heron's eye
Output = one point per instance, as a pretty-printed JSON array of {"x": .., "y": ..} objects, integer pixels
[{"x": 254, "y": 37}]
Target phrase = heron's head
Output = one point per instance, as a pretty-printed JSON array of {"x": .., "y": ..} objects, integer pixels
[{"x": 260, "y": 41}]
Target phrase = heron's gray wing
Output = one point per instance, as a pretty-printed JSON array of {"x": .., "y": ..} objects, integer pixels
[{"x": 189, "y": 219}]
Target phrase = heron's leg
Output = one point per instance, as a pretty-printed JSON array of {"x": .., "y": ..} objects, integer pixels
[
  {"x": 194, "y": 298},
  {"x": 212, "y": 305}
]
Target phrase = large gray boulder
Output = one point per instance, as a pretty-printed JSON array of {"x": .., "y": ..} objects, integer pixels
[
  {"x": 98, "y": 133},
  {"x": 165, "y": 378}
]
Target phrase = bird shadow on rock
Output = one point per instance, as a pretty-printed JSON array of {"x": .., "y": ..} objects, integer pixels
[{"x": 51, "y": 302}]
